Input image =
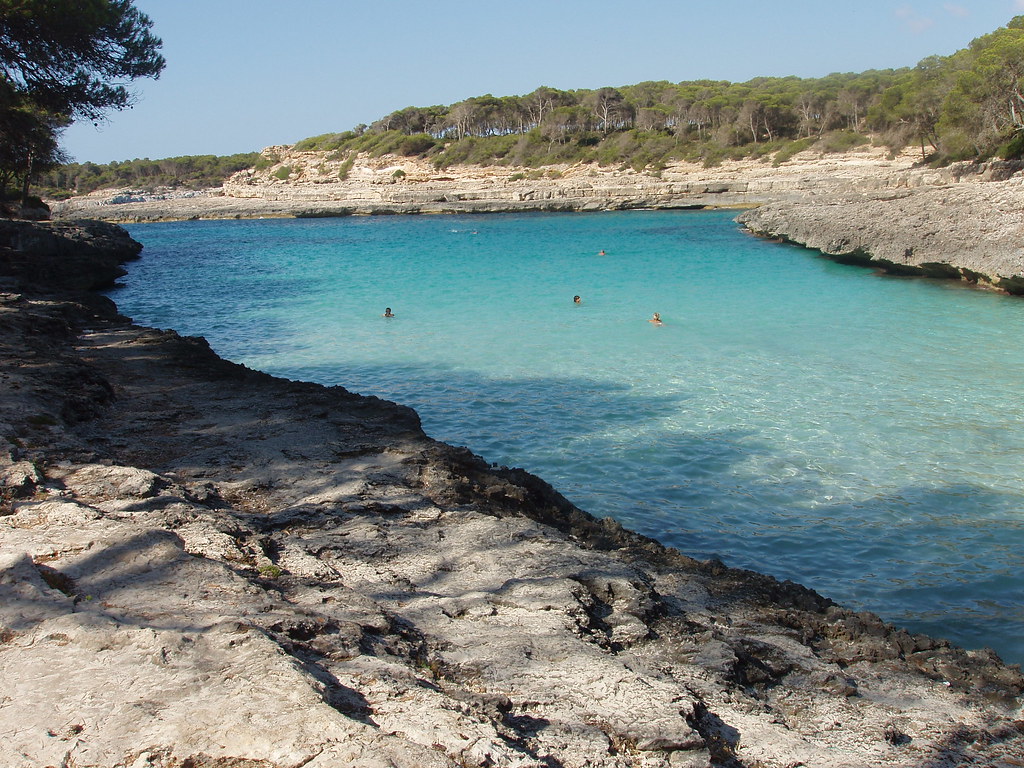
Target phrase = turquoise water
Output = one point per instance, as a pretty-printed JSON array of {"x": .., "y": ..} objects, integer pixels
[{"x": 858, "y": 434}]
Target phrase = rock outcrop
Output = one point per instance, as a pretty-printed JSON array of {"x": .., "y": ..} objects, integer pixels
[
  {"x": 969, "y": 231},
  {"x": 68, "y": 255},
  {"x": 203, "y": 565},
  {"x": 310, "y": 184}
]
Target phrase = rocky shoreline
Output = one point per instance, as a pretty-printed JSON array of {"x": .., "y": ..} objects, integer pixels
[
  {"x": 309, "y": 184},
  {"x": 203, "y": 565},
  {"x": 972, "y": 231}
]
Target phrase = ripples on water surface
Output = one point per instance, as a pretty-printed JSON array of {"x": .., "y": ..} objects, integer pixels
[{"x": 857, "y": 434}]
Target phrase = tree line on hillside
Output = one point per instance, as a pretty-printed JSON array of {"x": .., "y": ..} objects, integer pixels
[
  {"x": 61, "y": 59},
  {"x": 965, "y": 106},
  {"x": 188, "y": 172}
]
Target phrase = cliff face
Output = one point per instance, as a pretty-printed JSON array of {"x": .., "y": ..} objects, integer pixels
[
  {"x": 309, "y": 184},
  {"x": 205, "y": 565}
]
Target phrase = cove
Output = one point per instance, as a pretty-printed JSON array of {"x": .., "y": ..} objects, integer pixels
[{"x": 860, "y": 435}]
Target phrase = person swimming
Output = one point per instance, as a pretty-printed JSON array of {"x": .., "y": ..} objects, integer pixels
[
  {"x": 577, "y": 300},
  {"x": 602, "y": 253},
  {"x": 656, "y": 319},
  {"x": 388, "y": 312}
]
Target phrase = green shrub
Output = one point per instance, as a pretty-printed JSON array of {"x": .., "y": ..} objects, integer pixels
[
  {"x": 792, "y": 148},
  {"x": 712, "y": 156},
  {"x": 418, "y": 144},
  {"x": 387, "y": 143},
  {"x": 282, "y": 173},
  {"x": 325, "y": 142},
  {"x": 841, "y": 141},
  {"x": 1014, "y": 148}
]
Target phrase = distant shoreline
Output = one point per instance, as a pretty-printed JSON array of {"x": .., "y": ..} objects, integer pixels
[
  {"x": 863, "y": 207},
  {"x": 389, "y": 185}
]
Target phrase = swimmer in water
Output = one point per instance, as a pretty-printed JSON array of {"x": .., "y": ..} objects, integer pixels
[
  {"x": 601, "y": 253},
  {"x": 388, "y": 312},
  {"x": 577, "y": 300},
  {"x": 656, "y": 319}
]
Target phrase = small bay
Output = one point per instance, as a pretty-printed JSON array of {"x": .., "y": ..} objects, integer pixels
[{"x": 858, "y": 434}]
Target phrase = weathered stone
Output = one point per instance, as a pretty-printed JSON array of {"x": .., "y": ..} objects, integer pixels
[
  {"x": 18, "y": 478},
  {"x": 966, "y": 231}
]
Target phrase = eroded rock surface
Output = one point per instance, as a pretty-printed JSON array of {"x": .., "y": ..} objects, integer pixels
[
  {"x": 202, "y": 565},
  {"x": 972, "y": 231},
  {"x": 310, "y": 184}
]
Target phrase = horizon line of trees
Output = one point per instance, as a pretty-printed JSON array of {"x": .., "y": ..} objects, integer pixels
[
  {"x": 966, "y": 106},
  {"x": 186, "y": 172}
]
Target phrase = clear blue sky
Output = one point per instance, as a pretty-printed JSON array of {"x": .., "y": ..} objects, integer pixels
[{"x": 246, "y": 74}]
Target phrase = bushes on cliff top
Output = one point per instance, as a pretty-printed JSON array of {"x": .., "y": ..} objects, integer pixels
[
  {"x": 416, "y": 145},
  {"x": 967, "y": 103},
  {"x": 328, "y": 142}
]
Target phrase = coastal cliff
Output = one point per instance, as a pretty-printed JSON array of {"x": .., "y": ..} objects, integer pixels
[
  {"x": 203, "y": 565},
  {"x": 972, "y": 231},
  {"x": 292, "y": 183}
]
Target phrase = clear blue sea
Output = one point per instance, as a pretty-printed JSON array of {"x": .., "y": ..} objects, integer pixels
[{"x": 859, "y": 434}]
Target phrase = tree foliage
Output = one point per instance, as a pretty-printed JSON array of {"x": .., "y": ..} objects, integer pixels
[
  {"x": 62, "y": 60},
  {"x": 75, "y": 57},
  {"x": 189, "y": 172},
  {"x": 968, "y": 105}
]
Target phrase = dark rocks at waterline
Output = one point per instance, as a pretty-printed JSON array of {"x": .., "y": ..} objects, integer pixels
[{"x": 65, "y": 255}]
